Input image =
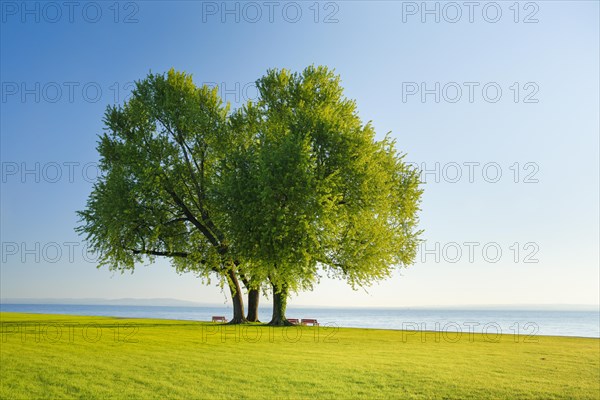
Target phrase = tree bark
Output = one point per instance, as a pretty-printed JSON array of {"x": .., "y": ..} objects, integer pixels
[
  {"x": 279, "y": 305},
  {"x": 253, "y": 299},
  {"x": 237, "y": 298}
]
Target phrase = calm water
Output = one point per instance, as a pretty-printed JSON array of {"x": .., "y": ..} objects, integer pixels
[{"x": 559, "y": 323}]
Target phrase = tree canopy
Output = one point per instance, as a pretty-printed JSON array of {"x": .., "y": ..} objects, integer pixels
[
  {"x": 283, "y": 189},
  {"x": 311, "y": 188},
  {"x": 160, "y": 160}
]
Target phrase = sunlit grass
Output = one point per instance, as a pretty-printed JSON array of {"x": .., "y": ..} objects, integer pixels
[{"x": 59, "y": 356}]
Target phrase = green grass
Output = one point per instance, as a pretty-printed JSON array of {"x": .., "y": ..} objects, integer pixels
[{"x": 160, "y": 359}]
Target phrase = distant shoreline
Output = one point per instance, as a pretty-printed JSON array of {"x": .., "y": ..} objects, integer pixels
[
  {"x": 185, "y": 303},
  {"x": 433, "y": 332},
  {"x": 564, "y": 323}
]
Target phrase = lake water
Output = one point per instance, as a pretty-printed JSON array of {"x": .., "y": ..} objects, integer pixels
[{"x": 523, "y": 322}]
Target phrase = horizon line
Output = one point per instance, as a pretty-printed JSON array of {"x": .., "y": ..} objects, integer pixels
[{"x": 189, "y": 303}]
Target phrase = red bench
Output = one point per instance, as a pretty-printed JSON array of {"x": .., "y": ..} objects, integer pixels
[
  {"x": 219, "y": 319},
  {"x": 307, "y": 321},
  {"x": 294, "y": 321}
]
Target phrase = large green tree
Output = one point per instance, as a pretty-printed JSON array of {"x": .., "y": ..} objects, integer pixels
[
  {"x": 310, "y": 189},
  {"x": 160, "y": 160},
  {"x": 275, "y": 193}
]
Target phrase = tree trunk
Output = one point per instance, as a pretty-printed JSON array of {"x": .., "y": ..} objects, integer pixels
[
  {"x": 279, "y": 305},
  {"x": 253, "y": 298},
  {"x": 237, "y": 298}
]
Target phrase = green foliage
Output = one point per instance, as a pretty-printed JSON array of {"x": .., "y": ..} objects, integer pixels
[
  {"x": 311, "y": 187},
  {"x": 159, "y": 157},
  {"x": 281, "y": 189}
]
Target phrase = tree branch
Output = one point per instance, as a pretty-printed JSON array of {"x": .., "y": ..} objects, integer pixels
[
  {"x": 159, "y": 253},
  {"x": 187, "y": 154},
  {"x": 205, "y": 231}
]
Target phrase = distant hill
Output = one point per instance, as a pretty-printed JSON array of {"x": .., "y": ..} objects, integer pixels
[
  {"x": 168, "y": 302},
  {"x": 99, "y": 301}
]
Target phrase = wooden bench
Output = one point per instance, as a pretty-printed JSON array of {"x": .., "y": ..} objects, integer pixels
[
  {"x": 218, "y": 319},
  {"x": 294, "y": 321},
  {"x": 307, "y": 321}
]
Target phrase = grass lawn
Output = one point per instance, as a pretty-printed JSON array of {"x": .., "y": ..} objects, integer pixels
[{"x": 60, "y": 356}]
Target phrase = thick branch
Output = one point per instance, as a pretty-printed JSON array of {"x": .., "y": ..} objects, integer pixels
[
  {"x": 169, "y": 254},
  {"x": 186, "y": 211},
  {"x": 188, "y": 155},
  {"x": 159, "y": 253}
]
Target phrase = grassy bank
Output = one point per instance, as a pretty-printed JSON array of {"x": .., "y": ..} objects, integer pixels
[{"x": 57, "y": 356}]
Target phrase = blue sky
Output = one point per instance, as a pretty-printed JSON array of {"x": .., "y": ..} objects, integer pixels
[{"x": 510, "y": 208}]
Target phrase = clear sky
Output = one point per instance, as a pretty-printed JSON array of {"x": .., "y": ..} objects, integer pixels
[{"x": 499, "y": 102}]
